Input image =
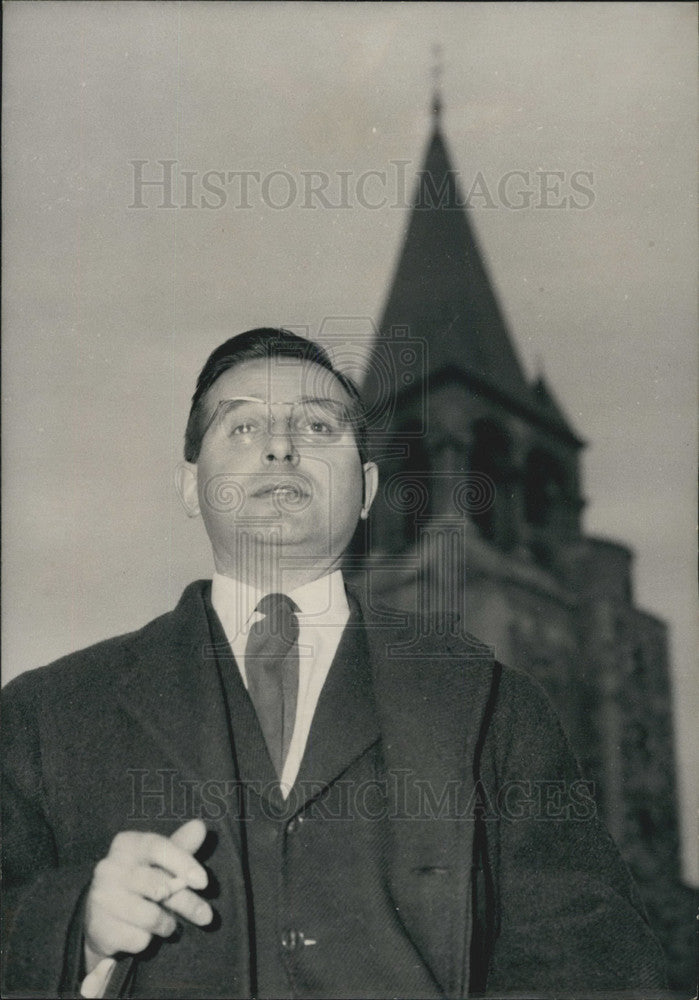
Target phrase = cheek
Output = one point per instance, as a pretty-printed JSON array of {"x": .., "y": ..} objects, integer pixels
[
  {"x": 338, "y": 475},
  {"x": 348, "y": 490},
  {"x": 221, "y": 492}
]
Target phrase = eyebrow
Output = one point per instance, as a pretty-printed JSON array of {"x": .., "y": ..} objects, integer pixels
[{"x": 237, "y": 400}]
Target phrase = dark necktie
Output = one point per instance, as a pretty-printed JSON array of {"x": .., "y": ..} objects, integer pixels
[{"x": 272, "y": 670}]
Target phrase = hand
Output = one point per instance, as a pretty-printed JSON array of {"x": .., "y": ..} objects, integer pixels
[{"x": 139, "y": 886}]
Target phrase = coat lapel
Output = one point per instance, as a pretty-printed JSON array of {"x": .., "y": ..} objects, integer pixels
[
  {"x": 345, "y": 723},
  {"x": 174, "y": 691}
]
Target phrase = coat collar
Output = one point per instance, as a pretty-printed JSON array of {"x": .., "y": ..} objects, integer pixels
[{"x": 173, "y": 690}]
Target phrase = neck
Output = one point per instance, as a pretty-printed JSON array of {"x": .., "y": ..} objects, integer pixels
[{"x": 275, "y": 575}]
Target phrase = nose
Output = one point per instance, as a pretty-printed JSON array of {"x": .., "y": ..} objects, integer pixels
[{"x": 279, "y": 445}]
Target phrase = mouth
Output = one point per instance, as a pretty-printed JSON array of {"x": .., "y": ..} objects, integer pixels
[
  {"x": 287, "y": 495},
  {"x": 282, "y": 491}
]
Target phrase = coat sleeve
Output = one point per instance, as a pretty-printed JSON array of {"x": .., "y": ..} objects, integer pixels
[
  {"x": 567, "y": 914},
  {"x": 42, "y": 897}
]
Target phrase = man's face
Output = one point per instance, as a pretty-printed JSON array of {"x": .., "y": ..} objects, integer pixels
[{"x": 279, "y": 475}]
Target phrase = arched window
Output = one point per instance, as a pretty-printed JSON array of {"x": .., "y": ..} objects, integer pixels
[
  {"x": 491, "y": 456},
  {"x": 545, "y": 492}
]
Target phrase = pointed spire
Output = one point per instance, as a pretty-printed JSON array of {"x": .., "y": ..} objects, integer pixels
[
  {"x": 441, "y": 289},
  {"x": 441, "y": 295},
  {"x": 437, "y": 72}
]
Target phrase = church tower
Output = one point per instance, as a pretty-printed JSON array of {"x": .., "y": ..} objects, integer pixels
[
  {"x": 478, "y": 523},
  {"x": 480, "y": 467}
]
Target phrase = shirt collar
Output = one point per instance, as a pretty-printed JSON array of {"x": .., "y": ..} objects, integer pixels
[
  {"x": 234, "y": 602},
  {"x": 320, "y": 602}
]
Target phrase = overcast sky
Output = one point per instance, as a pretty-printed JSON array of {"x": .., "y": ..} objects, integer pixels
[{"x": 110, "y": 309}]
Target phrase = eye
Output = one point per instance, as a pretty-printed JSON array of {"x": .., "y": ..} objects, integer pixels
[
  {"x": 245, "y": 428},
  {"x": 320, "y": 427},
  {"x": 319, "y": 420}
]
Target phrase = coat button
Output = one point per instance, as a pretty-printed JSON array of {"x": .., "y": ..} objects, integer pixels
[
  {"x": 291, "y": 940},
  {"x": 293, "y": 824}
]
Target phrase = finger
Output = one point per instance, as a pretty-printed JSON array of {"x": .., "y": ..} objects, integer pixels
[
  {"x": 114, "y": 935},
  {"x": 156, "y": 885},
  {"x": 190, "y": 906},
  {"x": 190, "y": 836},
  {"x": 131, "y": 909},
  {"x": 152, "y": 883},
  {"x": 153, "y": 849}
]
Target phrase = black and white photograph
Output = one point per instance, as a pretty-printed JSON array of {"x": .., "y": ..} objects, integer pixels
[{"x": 349, "y": 451}]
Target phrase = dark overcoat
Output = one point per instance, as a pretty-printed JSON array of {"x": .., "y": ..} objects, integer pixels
[{"x": 499, "y": 871}]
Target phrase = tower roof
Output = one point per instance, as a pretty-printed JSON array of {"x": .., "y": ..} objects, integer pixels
[
  {"x": 442, "y": 295},
  {"x": 441, "y": 290}
]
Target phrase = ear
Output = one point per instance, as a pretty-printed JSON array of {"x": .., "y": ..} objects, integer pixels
[
  {"x": 186, "y": 485},
  {"x": 371, "y": 485}
]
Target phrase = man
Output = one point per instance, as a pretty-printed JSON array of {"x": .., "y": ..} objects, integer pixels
[{"x": 268, "y": 793}]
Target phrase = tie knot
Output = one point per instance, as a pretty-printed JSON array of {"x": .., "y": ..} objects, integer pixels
[
  {"x": 279, "y": 619},
  {"x": 277, "y": 606}
]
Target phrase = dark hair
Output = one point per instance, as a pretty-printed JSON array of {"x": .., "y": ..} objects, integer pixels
[{"x": 265, "y": 342}]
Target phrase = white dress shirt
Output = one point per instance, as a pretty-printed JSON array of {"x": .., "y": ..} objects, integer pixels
[{"x": 323, "y": 614}]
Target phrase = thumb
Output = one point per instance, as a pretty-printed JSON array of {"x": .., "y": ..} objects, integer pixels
[{"x": 190, "y": 836}]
